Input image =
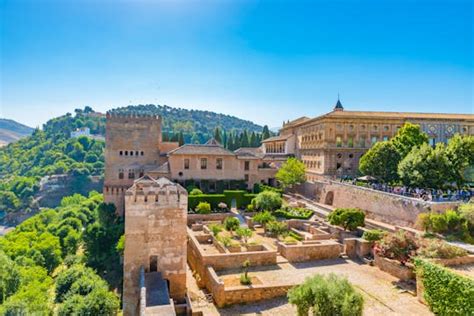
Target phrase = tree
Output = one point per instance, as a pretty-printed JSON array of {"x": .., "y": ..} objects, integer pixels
[
  {"x": 265, "y": 132},
  {"x": 181, "y": 138},
  {"x": 217, "y": 135},
  {"x": 425, "y": 167},
  {"x": 203, "y": 208},
  {"x": 267, "y": 201},
  {"x": 408, "y": 137},
  {"x": 263, "y": 218},
  {"x": 460, "y": 154},
  {"x": 349, "y": 218},
  {"x": 244, "y": 278},
  {"x": 292, "y": 172},
  {"x": 231, "y": 224},
  {"x": 9, "y": 201},
  {"x": 9, "y": 277},
  {"x": 326, "y": 295},
  {"x": 381, "y": 161},
  {"x": 244, "y": 233}
]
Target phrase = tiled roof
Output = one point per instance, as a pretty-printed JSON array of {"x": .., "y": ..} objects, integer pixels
[
  {"x": 164, "y": 168},
  {"x": 250, "y": 152},
  {"x": 194, "y": 149}
]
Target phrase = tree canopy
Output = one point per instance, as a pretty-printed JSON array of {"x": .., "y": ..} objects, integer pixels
[
  {"x": 292, "y": 172},
  {"x": 381, "y": 161}
]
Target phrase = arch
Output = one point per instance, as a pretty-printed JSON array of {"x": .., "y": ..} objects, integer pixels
[{"x": 329, "y": 198}]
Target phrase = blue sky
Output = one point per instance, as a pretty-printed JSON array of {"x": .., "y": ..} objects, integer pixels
[{"x": 266, "y": 61}]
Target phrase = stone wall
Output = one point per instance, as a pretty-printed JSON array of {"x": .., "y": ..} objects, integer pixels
[
  {"x": 242, "y": 294},
  {"x": 456, "y": 261},
  {"x": 381, "y": 206},
  {"x": 357, "y": 247},
  {"x": 310, "y": 251},
  {"x": 393, "y": 267},
  {"x": 194, "y": 218}
]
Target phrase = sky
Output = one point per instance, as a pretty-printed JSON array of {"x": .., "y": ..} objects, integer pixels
[{"x": 265, "y": 61}]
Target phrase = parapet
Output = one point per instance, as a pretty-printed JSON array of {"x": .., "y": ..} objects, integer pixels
[
  {"x": 123, "y": 116},
  {"x": 160, "y": 192}
]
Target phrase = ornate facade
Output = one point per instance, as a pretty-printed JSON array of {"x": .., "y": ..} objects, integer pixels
[{"x": 332, "y": 144}]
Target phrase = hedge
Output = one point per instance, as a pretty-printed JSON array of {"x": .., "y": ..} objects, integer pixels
[
  {"x": 303, "y": 213},
  {"x": 213, "y": 199},
  {"x": 258, "y": 187},
  {"x": 446, "y": 292}
]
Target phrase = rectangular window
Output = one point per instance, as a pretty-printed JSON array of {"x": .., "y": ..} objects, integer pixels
[
  {"x": 131, "y": 174},
  {"x": 246, "y": 177},
  {"x": 350, "y": 141},
  {"x": 186, "y": 163},
  {"x": 338, "y": 141},
  {"x": 247, "y": 165},
  {"x": 219, "y": 163},
  {"x": 362, "y": 141},
  {"x": 373, "y": 140},
  {"x": 203, "y": 163},
  {"x": 385, "y": 138}
]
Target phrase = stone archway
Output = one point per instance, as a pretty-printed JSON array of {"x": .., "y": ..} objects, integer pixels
[{"x": 329, "y": 198}]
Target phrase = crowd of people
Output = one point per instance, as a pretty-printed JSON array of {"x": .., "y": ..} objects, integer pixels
[{"x": 425, "y": 194}]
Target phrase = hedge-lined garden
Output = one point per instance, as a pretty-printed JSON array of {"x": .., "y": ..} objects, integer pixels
[
  {"x": 242, "y": 199},
  {"x": 446, "y": 292}
]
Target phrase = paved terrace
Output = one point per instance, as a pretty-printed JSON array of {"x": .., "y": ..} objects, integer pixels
[{"x": 382, "y": 296}]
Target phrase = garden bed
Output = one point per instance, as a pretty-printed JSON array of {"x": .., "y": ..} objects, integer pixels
[
  {"x": 234, "y": 280},
  {"x": 395, "y": 268}
]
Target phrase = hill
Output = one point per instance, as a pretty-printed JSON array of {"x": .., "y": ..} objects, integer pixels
[
  {"x": 197, "y": 126},
  {"x": 11, "y": 131}
]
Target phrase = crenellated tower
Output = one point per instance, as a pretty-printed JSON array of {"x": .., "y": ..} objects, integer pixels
[
  {"x": 132, "y": 146},
  {"x": 155, "y": 238}
]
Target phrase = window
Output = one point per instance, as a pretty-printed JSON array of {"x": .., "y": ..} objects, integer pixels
[
  {"x": 121, "y": 153},
  {"x": 131, "y": 152},
  {"x": 219, "y": 163},
  {"x": 142, "y": 153},
  {"x": 141, "y": 173},
  {"x": 120, "y": 175},
  {"x": 373, "y": 140},
  {"x": 432, "y": 141},
  {"x": 126, "y": 152},
  {"x": 136, "y": 153},
  {"x": 362, "y": 141},
  {"x": 338, "y": 165},
  {"x": 350, "y": 141},
  {"x": 385, "y": 138},
  {"x": 351, "y": 155},
  {"x": 186, "y": 163},
  {"x": 131, "y": 174},
  {"x": 338, "y": 141},
  {"x": 339, "y": 156},
  {"x": 246, "y": 177},
  {"x": 203, "y": 163},
  {"x": 386, "y": 128},
  {"x": 247, "y": 165}
]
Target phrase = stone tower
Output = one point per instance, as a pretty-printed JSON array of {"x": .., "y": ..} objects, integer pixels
[
  {"x": 155, "y": 238},
  {"x": 131, "y": 147}
]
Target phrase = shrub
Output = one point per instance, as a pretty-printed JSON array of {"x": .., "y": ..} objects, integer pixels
[
  {"x": 263, "y": 218},
  {"x": 349, "y": 218},
  {"x": 276, "y": 228},
  {"x": 295, "y": 236},
  {"x": 203, "y": 208},
  {"x": 326, "y": 295},
  {"x": 449, "y": 223},
  {"x": 231, "y": 224},
  {"x": 244, "y": 278},
  {"x": 446, "y": 292},
  {"x": 195, "y": 191},
  {"x": 215, "y": 229},
  {"x": 267, "y": 201},
  {"x": 244, "y": 233},
  {"x": 213, "y": 199},
  {"x": 250, "y": 208},
  {"x": 294, "y": 213},
  {"x": 399, "y": 246},
  {"x": 373, "y": 235},
  {"x": 440, "y": 250},
  {"x": 225, "y": 240},
  {"x": 290, "y": 240}
]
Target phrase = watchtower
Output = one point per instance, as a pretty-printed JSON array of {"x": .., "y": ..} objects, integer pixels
[
  {"x": 155, "y": 238},
  {"x": 131, "y": 147}
]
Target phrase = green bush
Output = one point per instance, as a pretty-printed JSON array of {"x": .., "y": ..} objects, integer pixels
[
  {"x": 267, "y": 201},
  {"x": 213, "y": 199},
  {"x": 244, "y": 233},
  {"x": 263, "y": 218},
  {"x": 454, "y": 224},
  {"x": 195, "y": 191},
  {"x": 215, "y": 229},
  {"x": 373, "y": 235},
  {"x": 349, "y": 218},
  {"x": 439, "y": 249},
  {"x": 249, "y": 208},
  {"x": 276, "y": 228},
  {"x": 258, "y": 187},
  {"x": 326, "y": 295},
  {"x": 446, "y": 292},
  {"x": 231, "y": 224},
  {"x": 203, "y": 208}
]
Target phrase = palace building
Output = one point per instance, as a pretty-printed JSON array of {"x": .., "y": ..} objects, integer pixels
[
  {"x": 134, "y": 148},
  {"x": 331, "y": 145}
]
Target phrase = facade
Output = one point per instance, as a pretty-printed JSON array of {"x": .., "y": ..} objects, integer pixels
[
  {"x": 134, "y": 148},
  {"x": 331, "y": 145},
  {"x": 85, "y": 131},
  {"x": 155, "y": 245}
]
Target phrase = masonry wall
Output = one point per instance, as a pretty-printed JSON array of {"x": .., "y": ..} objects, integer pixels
[
  {"x": 382, "y": 206},
  {"x": 307, "y": 252},
  {"x": 155, "y": 227}
]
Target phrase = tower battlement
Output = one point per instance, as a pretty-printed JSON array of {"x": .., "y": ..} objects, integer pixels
[{"x": 120, "y": 116}]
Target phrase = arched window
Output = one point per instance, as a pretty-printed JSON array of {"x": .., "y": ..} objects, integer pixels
[
  {"x": 131, "y": 174},
  {"x": 121, "y": 153},
  {"x": 131, "y": 152},
  {"x": 126, "y": 152},
  {"x": 136, "y": 153},
  {"x": 120, "y": 175},
  {"x": 141, "y": 153}
]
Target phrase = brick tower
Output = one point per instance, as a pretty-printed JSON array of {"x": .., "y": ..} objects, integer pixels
[
  {"x": 131, "y": 148},
  {"x": 155, "y": 239}
]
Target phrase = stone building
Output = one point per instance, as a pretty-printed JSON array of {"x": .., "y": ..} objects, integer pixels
[
  {"x": 332, "y": 144},
  {"x": 155, "y": 243},
  {"x": 134, "y": 147}
]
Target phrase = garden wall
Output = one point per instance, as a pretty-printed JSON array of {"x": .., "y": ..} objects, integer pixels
[
  {"x": 310, "y": 251},
  {"x": 381, "y": 206},
  {"x": 394, "y": 268},
  {"x": 242, "y": 294},
  {"x": 193, "y": 218}
]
